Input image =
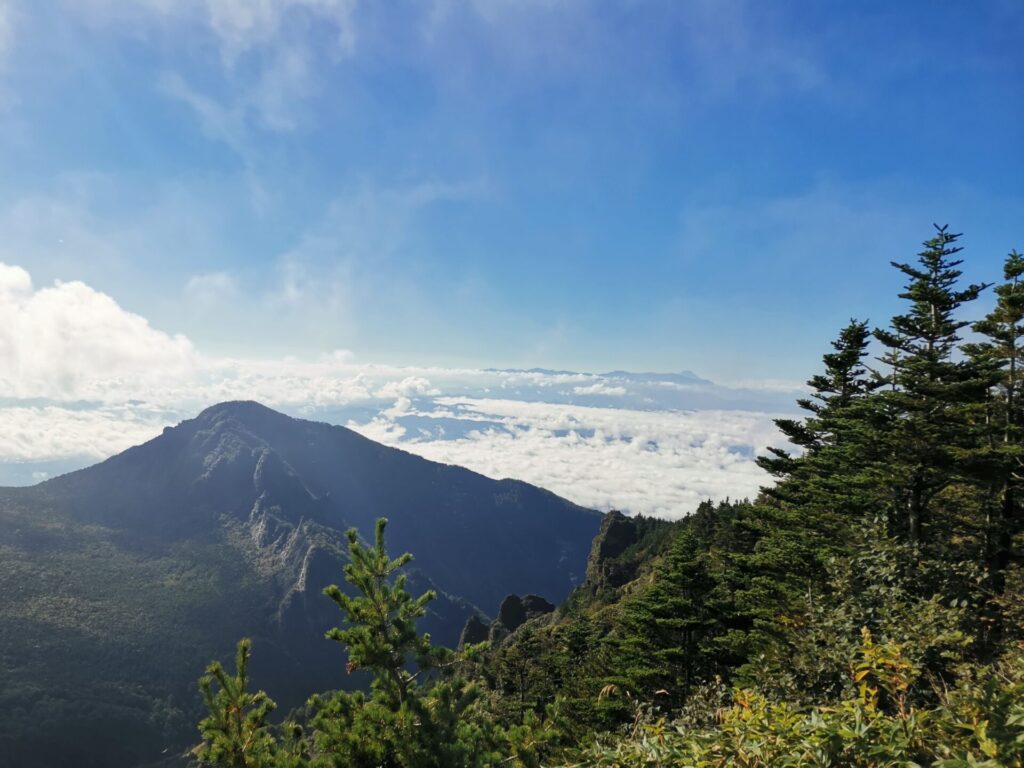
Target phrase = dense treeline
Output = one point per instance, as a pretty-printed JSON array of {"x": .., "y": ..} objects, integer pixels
[{"x": 866, "y": 610}]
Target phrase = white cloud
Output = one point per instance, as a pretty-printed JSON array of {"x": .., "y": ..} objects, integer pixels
[
  {"x": 271, "y": 52},
  {"x": 238, "y": 25},
  {"x": 599, "y": 388},
  {"x": 285, "y": 78},
  {"x": 58, "y": 341},
  {"x": 217, "y": 122},
  {"x": 380, "y": 429},
  {"x": 275, "y": 100},
  {"x": 655, "y": 462},
  {"x": 410, "y": 386},
  {"x": 14, "y": 280},
  {"x": 86, "y": 378},
  {"x": 282, "y": 86},
  {"x": 242, "y": 24},
  {"x": 43, "y": 433}
]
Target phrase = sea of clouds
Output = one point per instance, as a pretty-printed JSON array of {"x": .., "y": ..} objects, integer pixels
[{"x": 82, "y": 379}]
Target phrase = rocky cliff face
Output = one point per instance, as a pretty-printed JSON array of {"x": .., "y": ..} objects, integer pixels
[
  {"x": 604, "y": 567},
  {"x": 618, "y": 550}
]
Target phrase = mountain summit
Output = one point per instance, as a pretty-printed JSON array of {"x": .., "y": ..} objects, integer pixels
[
  {"x": 478, "y": 538},
  {"x": 123, "y": 579}
]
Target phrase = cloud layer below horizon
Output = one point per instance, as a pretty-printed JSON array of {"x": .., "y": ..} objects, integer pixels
[{"x": 82, "y": 379}]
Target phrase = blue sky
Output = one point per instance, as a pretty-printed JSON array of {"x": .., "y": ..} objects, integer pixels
[
  {"x": 712, "y": 186},
  {"x": 351, "y": 210}
]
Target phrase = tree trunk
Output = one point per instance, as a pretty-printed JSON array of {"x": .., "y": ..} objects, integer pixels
[{"x": 914, "y": 514}]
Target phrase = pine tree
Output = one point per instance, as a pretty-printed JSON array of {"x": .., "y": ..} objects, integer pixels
[
  {"x": 411, "y": 718},
  {"x": 381, "y": 634},
  {"x": 235, "y": 732},
  {"x": 926, "y": 410},
  {"x": 420, "y": 712}
]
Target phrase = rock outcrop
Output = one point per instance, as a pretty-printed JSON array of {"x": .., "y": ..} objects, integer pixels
[
  {"x": 618, "y": 550},
  {"x": 474, "y": 632},
  {"x": 604, "y": 566},
  {"x": 512, "y": 614}
]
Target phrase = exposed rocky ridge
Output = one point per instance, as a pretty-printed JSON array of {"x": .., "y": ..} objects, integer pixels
[
  {"x": 512, "y": 614},
  {"x": 618, "y": 550},
  {"x": 475, "y": 631}
]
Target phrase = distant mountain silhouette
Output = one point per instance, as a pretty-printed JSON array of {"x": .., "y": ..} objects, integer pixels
[
  {"x": 683, "y": 377},
  {"x": 120, "y": 581}
]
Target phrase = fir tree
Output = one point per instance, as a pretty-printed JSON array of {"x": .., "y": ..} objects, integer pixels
[
  {"x": 669, "y": 625},
  {"x": 823, "y": 492},
  {"x": 1002, "y": 441},
  {"x": 932, "y": 391},
  {"x": 522, "y": 675},
  {"x": 834, "y": 437}
]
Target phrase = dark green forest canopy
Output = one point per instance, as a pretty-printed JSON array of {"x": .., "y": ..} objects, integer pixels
[{"x": 866, "y": 610}]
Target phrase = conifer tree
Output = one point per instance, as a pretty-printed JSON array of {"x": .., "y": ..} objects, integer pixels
[
  {"x": 926, "y": 409},
  {"x": 235, "y": 732},
  {"x": 823, "y": 493},
  {"x": 521, "y": 675},
  {"x": 1002, "y": 444},
  {"x": 411, "y": 719},
  {"x": 381, "y": 634},
  {"x": 669, "y": 626},
  {"x": 834, "y": 437},
  {"x": 420, "y": 712}
]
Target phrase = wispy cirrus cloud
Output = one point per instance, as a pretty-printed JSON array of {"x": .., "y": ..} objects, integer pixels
[
  {"x": 239, "y": 26},
  {"x": 210, "y": 289},
  {"x": 271, "y": 54},
  {"x": 6, "y": 29},
  {"x": 243, "y": 24}
]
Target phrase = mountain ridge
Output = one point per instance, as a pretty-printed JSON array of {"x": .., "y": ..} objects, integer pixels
[{"x": 230, "y": 524}]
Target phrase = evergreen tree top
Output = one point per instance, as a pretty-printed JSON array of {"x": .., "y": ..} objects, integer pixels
[{"x": 928, "y": 331}]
